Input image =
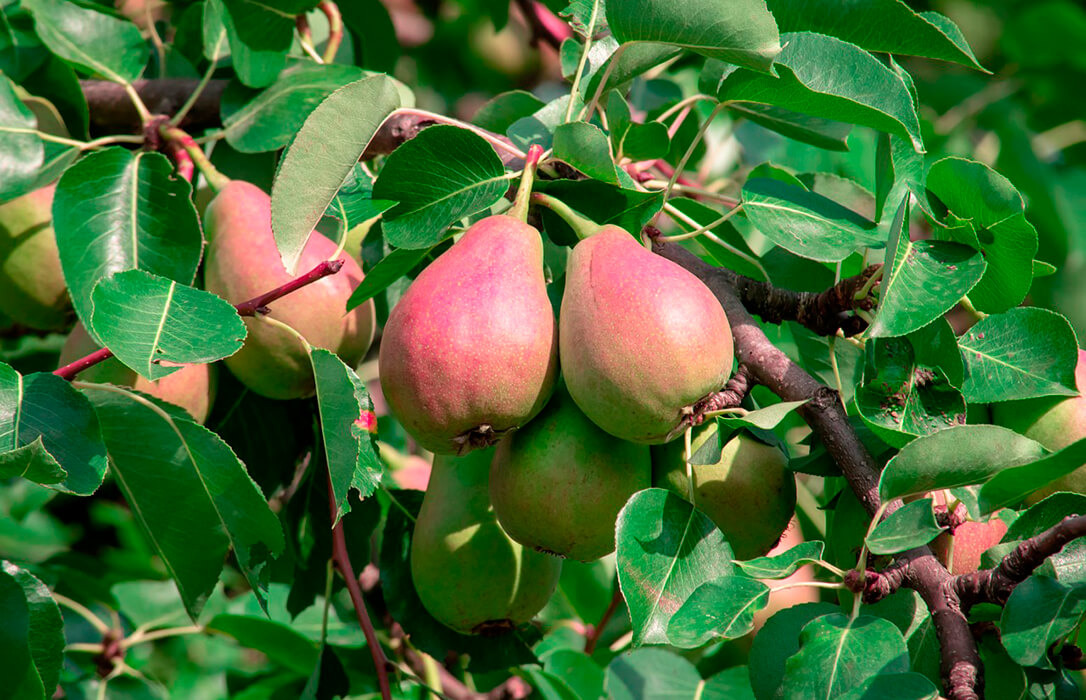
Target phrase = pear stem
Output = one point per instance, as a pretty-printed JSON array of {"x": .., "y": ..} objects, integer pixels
[
  {"x": 581, "y": 225},
  {"x": 214, "y": 177},
  {"x": 524, "y": 191},
  {"x": 252, "y": 307}
]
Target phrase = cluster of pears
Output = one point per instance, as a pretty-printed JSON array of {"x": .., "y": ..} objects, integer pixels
[{"x": 470, "y": 359}]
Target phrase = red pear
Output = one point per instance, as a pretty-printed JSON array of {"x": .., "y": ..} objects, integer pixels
[
  {"x": 470, "y": 351},
  {"x": 641, "y": 338}
]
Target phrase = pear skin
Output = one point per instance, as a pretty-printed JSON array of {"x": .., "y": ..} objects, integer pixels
[
  {"x": 1053, "y": 421},
  {"x": 750, "y": 493},
  {"x": 471, "y": 349},
  {"x": 243, "y": 262},
  {"x": 641, "y": 338},
  {"x": 468, "y": 573},
  {"x": 191, "y": 387},
  {"x": 558, "y": 483},
  {"x": 32, "y": 289}
]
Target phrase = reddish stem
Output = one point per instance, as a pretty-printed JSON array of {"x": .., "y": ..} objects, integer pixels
[
  {"x": 546, "y": 26},
  {"x": 664, "y": 167},
  {"x": 594, "y": 633},
  {"x": 245, "y": 308},
  {"x": 182, "y": 160},
  {"x": 343, "y": 563},
  {"x": 335, "y": 29}
]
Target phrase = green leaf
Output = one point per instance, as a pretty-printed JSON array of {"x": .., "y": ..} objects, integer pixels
[
  {"x": 784, "y": 564},
  {"x": 587, "y": 149},
  {"x": 265, "y": 30},
  {"x": 1012, "y": 485},
  {"x": 46, "y": 626},
  {"x": 765, "y": 418},
  {"x": 97, "y": 42},
  {"x": 885, "y": 26},
  {"x": 538, "y": 128},
  {"x": 635, "y": 59},
  {"x": 902, "y": 398},
  {"x": 1070, "y": 562},
  {"x": 665, "y": 550},
  {"x": 499, "y": 113},
  {"x": 341, "y": 399},
  {"x": 1039, "y": 611},
  {"x": 924, "y": 280},
  {"x": 222, "y": 506},
  {"x": 935, "y": 345},
  {"x": 577, "y": 669},
  {"x": 911, "y": 525},
  {"x": 741, "y": 32},
  {"x": 730, "y": 684},
  {"x": 895, "y": 686},
  {"x": 825, "y": 77},
  {"x": 823, "y": 133},
  {"x": 21, "y": 681},
  {"x": 354, "y": 201},
  {"x": 269, "y": 119},
  {"x": 391, "y": 268},
  {"x": 1019, "y": 354},
  {"x": 776, "y": 642},
  {"x": 899, "y": 172},
  {"x": 21, "y": 151},
  {"x": 147, "y": 320},
  {"x": 651, "y": 673},
  {"x": 279, "y": 642},
  {"x": 806, "y": 223},
  {"x": 723, "y": 608},
  {"x": 958, "y": 456},
  {"x": 440, "y": 176},
  {"x": 254, "y": 66},
  {"x": 988, "y": 213},
  {"x": 838, "y": 653},
  {"x": 322, "y": 156},
  {"x": 603, "y": 203},
  {"x": 47, "y": 427},
  {"x": 216, "y": 39},
  {"x": 116, "y": 210}
]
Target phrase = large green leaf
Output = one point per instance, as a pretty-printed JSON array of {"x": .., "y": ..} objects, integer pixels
[
  {"x": 261, "y": 32},
  {"x": 21, "y": 680},
  {"x": 49, "y": 433},
  {"x": 894, "y": 686},
  {"x": 99, "y": 43},
  {"x": 279, "y": 642},
  {"x": 1039, "y": 611},
  {"x": 910, "y": 526},
  {"x": 254, "y": 67},
  {"x": 46, "y": 626},
  {"x": 440, "y": 176},
  {"x": 806, "y": 223},
  {"x": 1020, "y": 354},
  {"x": 21, "y": 151},
  {"x": 634, "y": 60},
  {"x": 499, "y": 113},
  {"x": 924, "y": 279},
  {"x": 209, "y": 504},
  {"x": 958, "y": 456},
  {"x": 651, "y": 673},
  {"x": 321, "y": 157},
  {"x": 741, "y": 32},
  {"x": 116, "y": 210},
  {"x": 665, "y": 550},
  {"x": 1012, "y": 485},
  {"x": 603, "y": 203},
  {"x": 825, "y": 77},
  {"x": 147, "y": 320},
  {"x": 586, "y": 148},
  {"x": 838, "y": 653},
  {"x": 722, "y": 609},
  {"x": 889, "y": 26},
  {"x": 776, "y": 642},
  {"x": 391, "y": 268}
]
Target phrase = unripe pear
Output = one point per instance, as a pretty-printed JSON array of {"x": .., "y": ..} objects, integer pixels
[
  {"x": 243, "y": 262},
  {"x": 641, "y": 338},
  {"x": 1053, "y": 421},
  {"x": 749, "y": 492},
  {"x": 470, "y": 351},
  {"x": 468, "y": 573},
  {"x": 32, "y": 289},
  {"x": 558, "y": 483},
  {"x": 191, "y": 387}
]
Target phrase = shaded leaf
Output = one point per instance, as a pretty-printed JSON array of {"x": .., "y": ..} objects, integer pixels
[
  {"x": 911, "y": 525},
  {"x": 21, "y": 681},
  {"x": 99, "y": 43},
  {"x": 499, "y": 113},
  {"x": 784, "y": 564},
  {"x": 628, "y": 209},
  {"x": 776, "y": 642},
  {"x": 1010, "y": 486},
  {"x": 46, "y": 626},
  {"x": 1040, "y": 610},
  {"x": 587, "y": 149},
  {"x": 279, "y": 642},
  {"x": 651, "y": 673},
  {"x": 723, "y": 608},
  {"x": 21, "y": 151}
]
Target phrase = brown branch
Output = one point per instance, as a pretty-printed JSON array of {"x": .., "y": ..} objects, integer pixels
[
  {"x": 594, "y": 632},
  {"x": 111, "y": 109},
  {"x": 246, "y": 308}
]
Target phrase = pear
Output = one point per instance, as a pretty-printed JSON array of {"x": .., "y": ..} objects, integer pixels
[
  {"x": 749, "y": 492},
  {"x": 192, "y": 387},
  {"x": 641, "y": 338},
  {"x": 558, "y": 483},
  {"x": 470, "y": 351},
  {"x": 243, "y": 262},
  {"x": 32, "y": 289},
  {"x": 1053, "y": 421},
  {"x": 468, "y": 573}
]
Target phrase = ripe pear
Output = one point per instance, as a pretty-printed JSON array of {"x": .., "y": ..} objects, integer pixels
[
  {"x": 243, "y": 262},
  {"x": 468, "y": 573},
  {"x": 192, "y": 387},
  {"x": 1053, "y": 421},
  {"x": 32, "y": 289},
  {"x": 558, "y": 483},
  {"x": 470, "y": 351},
  {"x": 749, "y": 492},
  {"x": 641, "y": 338},
  {"x": 971, "y": 539}
]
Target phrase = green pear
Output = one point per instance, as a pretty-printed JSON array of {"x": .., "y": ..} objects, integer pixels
[
  {"x": 641, "y": 339},
  {"x": 558, "y": 483},
  {"x": 32, "y": 289},
  {"x": 468, "y": 573},
  {"x": 243, "y": 262},
  {"x": 1053, "y": 421},
  {"x": 749, "y": 492},
  {"x": 192, "y": 387},
  {"x": 470, "y": 351}
]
